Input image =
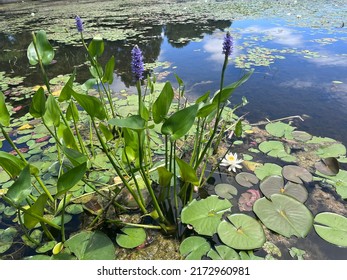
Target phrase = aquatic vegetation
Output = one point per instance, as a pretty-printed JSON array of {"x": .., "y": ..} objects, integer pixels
[{"x": 87, "y": 151}]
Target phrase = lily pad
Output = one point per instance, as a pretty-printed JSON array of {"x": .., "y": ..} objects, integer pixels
[
  {"x": 284, "y": 215},
  {"x": 328, "y": 166},
  {"x": 223, "y": 252},
  {"x": 339, "y": 181},
  {"x": 296, "y": 174},
  {"x": 205, "y": 214},
  {"x": 247, "y": 199},
  {"x": 194, "y": 247},
  {"x": 88, "y": 245},
  {"x": 131, "y": 237},
  {"x": 241, "y": 232},
  {"x": 302, "y": 136},
  {"x": 280, "y": 129},
  {"x": 6, "y": 238},
  {"x": 276, "y": 149},
  {"x": 246, "y": 179},
  {"x": 332, "y": 227},
  {"x": 225, "y": 190},
  {"x": 268, "y": 169},
  {"x": 334, "y": 150}
]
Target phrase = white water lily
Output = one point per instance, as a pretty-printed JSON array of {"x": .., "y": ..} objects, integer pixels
[{"x": 231, "y": 161}]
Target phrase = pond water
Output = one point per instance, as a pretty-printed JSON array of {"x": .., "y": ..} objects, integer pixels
[{"x": 298, "y": 69}]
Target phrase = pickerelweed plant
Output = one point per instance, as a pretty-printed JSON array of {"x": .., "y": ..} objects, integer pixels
[{"x": 124, "y": 137}]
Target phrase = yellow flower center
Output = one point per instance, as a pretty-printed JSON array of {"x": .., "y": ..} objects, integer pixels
[{"x": 230, "y": 158}]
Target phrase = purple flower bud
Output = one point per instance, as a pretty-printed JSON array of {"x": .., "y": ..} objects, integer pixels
[
  {"x": 228, "y": 44},
  {"x": 79, "y": 24},
  {"x": 137, "y": 63}
]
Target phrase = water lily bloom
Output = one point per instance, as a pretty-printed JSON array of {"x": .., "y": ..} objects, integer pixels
[
  {"x": 228, "y": 44},
  {"x": 137, "y": 66},
  {"x": 79, "y": 24},
  {"x": 231, "y": 161}
]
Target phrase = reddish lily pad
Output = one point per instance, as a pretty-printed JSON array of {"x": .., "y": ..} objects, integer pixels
[{"x": 247, "y": 199}]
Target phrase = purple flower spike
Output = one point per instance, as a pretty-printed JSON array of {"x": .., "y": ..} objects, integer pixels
[
  {"x": 79, "y": 24},
  {"x": 137, "y": 63},
  {"x": 228, "y": 44}
]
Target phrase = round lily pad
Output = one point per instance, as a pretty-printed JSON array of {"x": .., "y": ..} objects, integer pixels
[
  {"x": 280, "y": 129},
  {"x": 223, "y": 252},
  {"x": 284, "y": 215},
  {"x": 241, "y": 232},
  {"x": 332, "y": 227},
  {"x": 225, "y": 190},
  {"x": 205, "y": 214},
  {"x": 247, "y": 199},
  {"x": 271, "y": 185},
  {"x": 194, "y": 247},
  {"x": 328, "y": 166},
  {"x": 302, "y": 136},
  {"x": 296, "y": 174},
  {"x": 334, "y": 150},
  {"x": 267, "y": 169},
  {"x": 6, "y": 238},
  {"x": 246, "y": 179},
  {"x": 131, "y": 237}
]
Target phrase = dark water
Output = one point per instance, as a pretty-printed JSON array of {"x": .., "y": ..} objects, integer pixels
[
  {"x": 295, "y": 85},
  {"x": 291, "y": 85}
]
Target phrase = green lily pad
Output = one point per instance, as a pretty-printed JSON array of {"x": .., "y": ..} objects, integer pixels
[
  {"x": 268, "y": 169},
  {"x": 334, "y": 150},
  {"x": 284, "y": 215},
  {"x": 276, "y": 149},
  {"x": 48, "y": 246},
  {"x": 223, "y": 252},
  {"x": 6, "y": 238},
  {"x": 296, "y": 174},
  {"x": 88, "y": 245},
  {"x": 332, "y": 227},
  {"x": 280, "y": 129},
  {"x": 205, "y": 214},
  {"x": 246, "y": 179},
  {"x": 225, "y": 190},
  {"x": 131, "y": 237},
  {"x": 194, "y": 247},
  {"x": 339, "y": 181},
  {"x": 241, "y": 232},
  {"x": 297, "y": 253},
  {"x": 74, "y": 209}
]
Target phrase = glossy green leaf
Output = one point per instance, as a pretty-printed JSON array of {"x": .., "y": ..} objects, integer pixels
[
  {"x": 38, "y": 209},
  {"x": 284, "y": 215},
  {"x": 203, "y": 98},
  {"x": 74, "y": 156},
  {"x": 4, "y": 114},
  {"x": 45, "y": 51},
  {"x": 241, "y": 232},
  {"x": 21, "y": 188},
  {"x": 238, "y": 129},
  {"x": 332, "y": 227},
  {"x": 11, "y": 164},
  {"x": 66, "y": 137},
  {"x": 67, "y": 90},
  {"x": 179, "y": 124},
  {"x": 72, "y": 112},
  {"x": 164, "y": 176},
  {"x": 162, "y": 105},
  {"x": 71, "y": 178},
  {"x": 52, "y": 112},
  {"x": 109, "y": 69},
  {"x": 134, "y": 122},
  {"x": 194, "y": 247},
  {"x": 96, "y": 46},
  {"x": 38, "y": 104},
  {"x": 205, "y": 214},
  {"x": 227, "y": 91},
  {"x": 105, "y": 130},
  {"x": 94, "y": 245},
  {"x": 91, "y": 105},
  {"x": 207, "y": 110},
  {"x": 223, "y": 252},
  {"x": 131, "y": 237},
  {"x": 188, "y": 174}
]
